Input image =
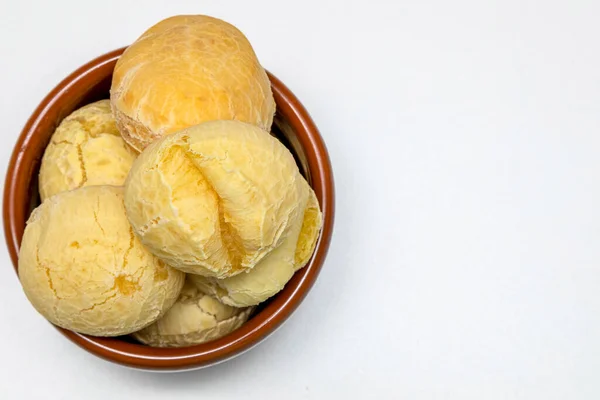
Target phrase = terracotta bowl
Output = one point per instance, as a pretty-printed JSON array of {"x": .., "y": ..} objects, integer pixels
[{"x": 294, "y": 128}]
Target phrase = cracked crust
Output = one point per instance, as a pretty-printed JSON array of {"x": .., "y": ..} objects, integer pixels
[
  {"x": 83, "y": 269},
  {"x": 272, "y": 273},
  {"x": 186, "y": 70},
  {"x": 216, "y": 198},
  {"x": 86, "y": 149},
  {"x": 195, "y": 318},
  {"x": 266, "y": 279}
]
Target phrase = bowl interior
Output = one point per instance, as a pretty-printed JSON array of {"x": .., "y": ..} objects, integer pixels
[{"x": 292, "y": 126}]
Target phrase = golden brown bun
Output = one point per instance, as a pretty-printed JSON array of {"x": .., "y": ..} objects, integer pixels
[
  {"x": 85, "y": 150},
  {"x": 216, "y": 198},
  {"x": 273, "y": 272},
  {"x": 186, "y": 70},
  {"x": 194, "y": 318},
  {"x": 83, "y": 269},
  {"x": 266, "y": 279}
]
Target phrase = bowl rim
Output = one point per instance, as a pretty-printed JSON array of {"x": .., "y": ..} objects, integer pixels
[{"x": 16, "y": 208}]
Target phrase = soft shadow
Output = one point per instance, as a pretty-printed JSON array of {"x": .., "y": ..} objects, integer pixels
[{"x": 214, "y": 375}]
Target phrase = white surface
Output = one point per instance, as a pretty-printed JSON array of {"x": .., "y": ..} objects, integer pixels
[{"x": 465, "y": 139}]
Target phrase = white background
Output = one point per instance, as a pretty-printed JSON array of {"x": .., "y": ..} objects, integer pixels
[{"x": 465, "y": 140}]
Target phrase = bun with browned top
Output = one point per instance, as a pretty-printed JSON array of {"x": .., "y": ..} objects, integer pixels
[{"x": 186, "y": 70}]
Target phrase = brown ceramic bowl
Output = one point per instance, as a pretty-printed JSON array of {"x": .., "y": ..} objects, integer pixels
[{"x": 295, "y": 129}]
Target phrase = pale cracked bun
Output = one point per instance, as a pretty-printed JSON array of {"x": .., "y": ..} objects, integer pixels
[
  {"x": 85, "y": 150},
  {"x": 186, "y": 70},
  {"x": 272, "y": 273},
  {"x": 216, "y": 198},
  {"x": 83, "y": 269},
  {"x": 195, "y": 318}
]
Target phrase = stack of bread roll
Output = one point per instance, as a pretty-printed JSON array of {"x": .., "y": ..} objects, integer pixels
[{"x": 169, "y": 211}]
